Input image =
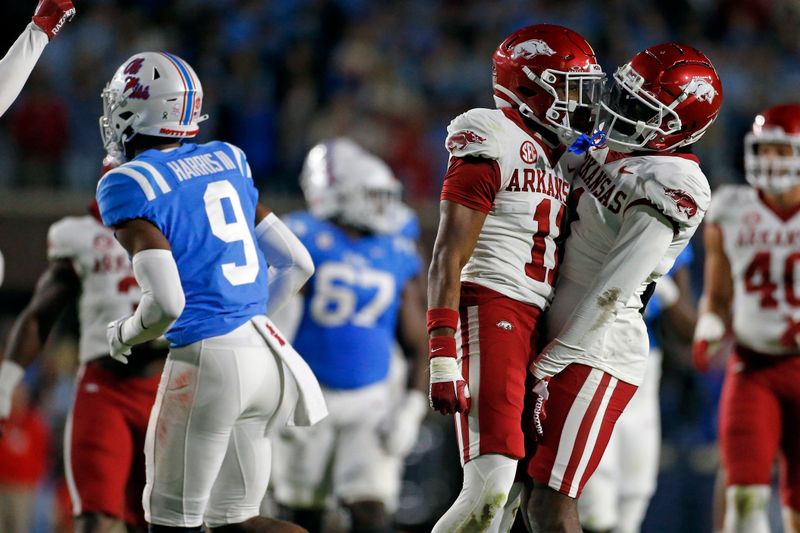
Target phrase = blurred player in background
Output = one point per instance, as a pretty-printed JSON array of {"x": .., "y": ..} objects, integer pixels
[
  {"x": 638, "y": 200},
  {"x": 495, "y": 257},
  {"x": 106, "y": 427},
  {"x": 752, "y": 251},
  {"x": 189, "y": 216},
  {"x": 616, "y": 497},
  {"x": 17, "y": 64},
  {"x": 365, "y": 292}
]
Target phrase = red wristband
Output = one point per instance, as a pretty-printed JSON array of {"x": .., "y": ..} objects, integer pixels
[
  {"x": 442, "y": 317},
  {"x": 444, "y": 346}
]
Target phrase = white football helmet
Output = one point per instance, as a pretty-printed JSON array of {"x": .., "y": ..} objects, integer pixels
[
  {"x": 341, "y": 180},
  {"x": 152, "y": 93},
  {"x": 778, "y": 125}
]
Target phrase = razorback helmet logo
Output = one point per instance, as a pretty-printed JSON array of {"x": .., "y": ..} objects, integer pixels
[
  {"x": 685, "y": 203},
  {"x": 532, "y": 48},
  {"x": 460, "y": 139},
  {"x": 701, "y": 89}
]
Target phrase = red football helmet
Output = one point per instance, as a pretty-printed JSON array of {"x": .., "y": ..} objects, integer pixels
[
  {"x": 663, "y": 98},
  {"x": 550, "y": 74},
  {"x": 778, "y": 125}
]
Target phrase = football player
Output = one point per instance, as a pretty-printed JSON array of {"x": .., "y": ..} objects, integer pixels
[
  {"x": 752, "y": 248},
  {"x": 366, "y": 289},
  {"x": 495, "y": 257},
  {"x": 106, "y": 426},
  {"x": 616, "y": 497},
  {"x": 637, "y": 200},
  {"x": 201, "y": 244}
]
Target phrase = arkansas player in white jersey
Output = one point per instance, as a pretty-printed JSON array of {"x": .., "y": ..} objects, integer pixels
[
  {"x": 752, "y": 244},
  {"x": 495, "y": 257},
  {"x": 639, "y": 201},
  {"x": 106, "y": 427}
]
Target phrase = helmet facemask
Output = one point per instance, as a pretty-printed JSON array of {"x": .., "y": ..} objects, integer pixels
[
  {"x": 371, "y": 209},
  {"x": 774, "y": 174},
  {"x": 631, "y": 117},
  {"x": 116, "y": 127},
  {"x": 575, "y": 98}
]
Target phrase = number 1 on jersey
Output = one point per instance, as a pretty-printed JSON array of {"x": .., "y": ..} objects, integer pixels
[
  {"x": 236, "y": 231},
  {"x": 536, "y": 268}
]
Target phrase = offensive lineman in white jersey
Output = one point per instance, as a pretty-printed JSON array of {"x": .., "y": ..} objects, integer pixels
[
  {"x": 495, "y": 257},
  {"x": 17, "y": 64},
  {"x": 107, "y": 422},
  {"x": 639, "y": 201},
  {"x": 752, "y": 239}
]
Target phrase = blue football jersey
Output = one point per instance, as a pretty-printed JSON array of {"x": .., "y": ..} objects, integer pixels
[
  {"x": 203, "y": 200},
  {"x": 351, "y": 302},
  {"x": 409, "y": 224}
]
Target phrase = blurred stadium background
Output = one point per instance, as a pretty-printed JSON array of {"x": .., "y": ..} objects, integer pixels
[{"x": 279, "y": 75}]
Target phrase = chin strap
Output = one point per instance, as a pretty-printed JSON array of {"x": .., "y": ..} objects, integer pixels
[{"x": 584, "y": 142}]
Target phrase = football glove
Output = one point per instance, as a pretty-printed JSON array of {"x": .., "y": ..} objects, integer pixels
[
  {"x": 540, "y": 396},
  {"x": 51, "y": 15},
  {"x": 117, "y": 349},
  {"x": 449, "y": 393},
  {"x": 11, "y": 373},
  {"x": 403, "y": 427},
  {"x": 709, "y": 334}
]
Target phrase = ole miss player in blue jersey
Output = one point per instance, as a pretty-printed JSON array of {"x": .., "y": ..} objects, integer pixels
[
  {"x": 202, "y": 246},
  {"x": 365, "y": 293}
]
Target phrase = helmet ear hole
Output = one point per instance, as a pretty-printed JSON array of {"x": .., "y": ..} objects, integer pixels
[{"x": 527, "y": 92}]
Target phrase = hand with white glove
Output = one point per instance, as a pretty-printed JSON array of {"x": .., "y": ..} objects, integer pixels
[
  {"x": 117, "y": 349},
  {"x": 403, "y": 426},
  {"x": 11, "y": 373},
  {"x": 709, "y": 335}
]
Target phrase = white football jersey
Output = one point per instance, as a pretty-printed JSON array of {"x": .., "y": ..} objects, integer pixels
[
  {"x": 763, "y": 249},
  {"x": 516, "y": 253},
  {"x": 109, "y": 290},
  {"x": 605, "y": 185}
]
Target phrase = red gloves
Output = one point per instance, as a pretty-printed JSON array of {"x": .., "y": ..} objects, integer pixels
[
  {"x": 448, "y": 391},
  {"x": 791, "y": 335},
  {"x": 51, "y": 15}
]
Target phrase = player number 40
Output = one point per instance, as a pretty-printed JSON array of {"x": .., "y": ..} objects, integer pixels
[{"x": 758, "y": 279}]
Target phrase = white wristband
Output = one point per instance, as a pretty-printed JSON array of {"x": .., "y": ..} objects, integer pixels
[
  {"x": 11, "y": 373},
  {"x": 710, "y": 327},
  {"x": 444, "y": 369}
]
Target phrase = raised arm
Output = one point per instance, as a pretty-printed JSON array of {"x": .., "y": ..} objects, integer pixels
[{"x": 20, "y": 59}]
